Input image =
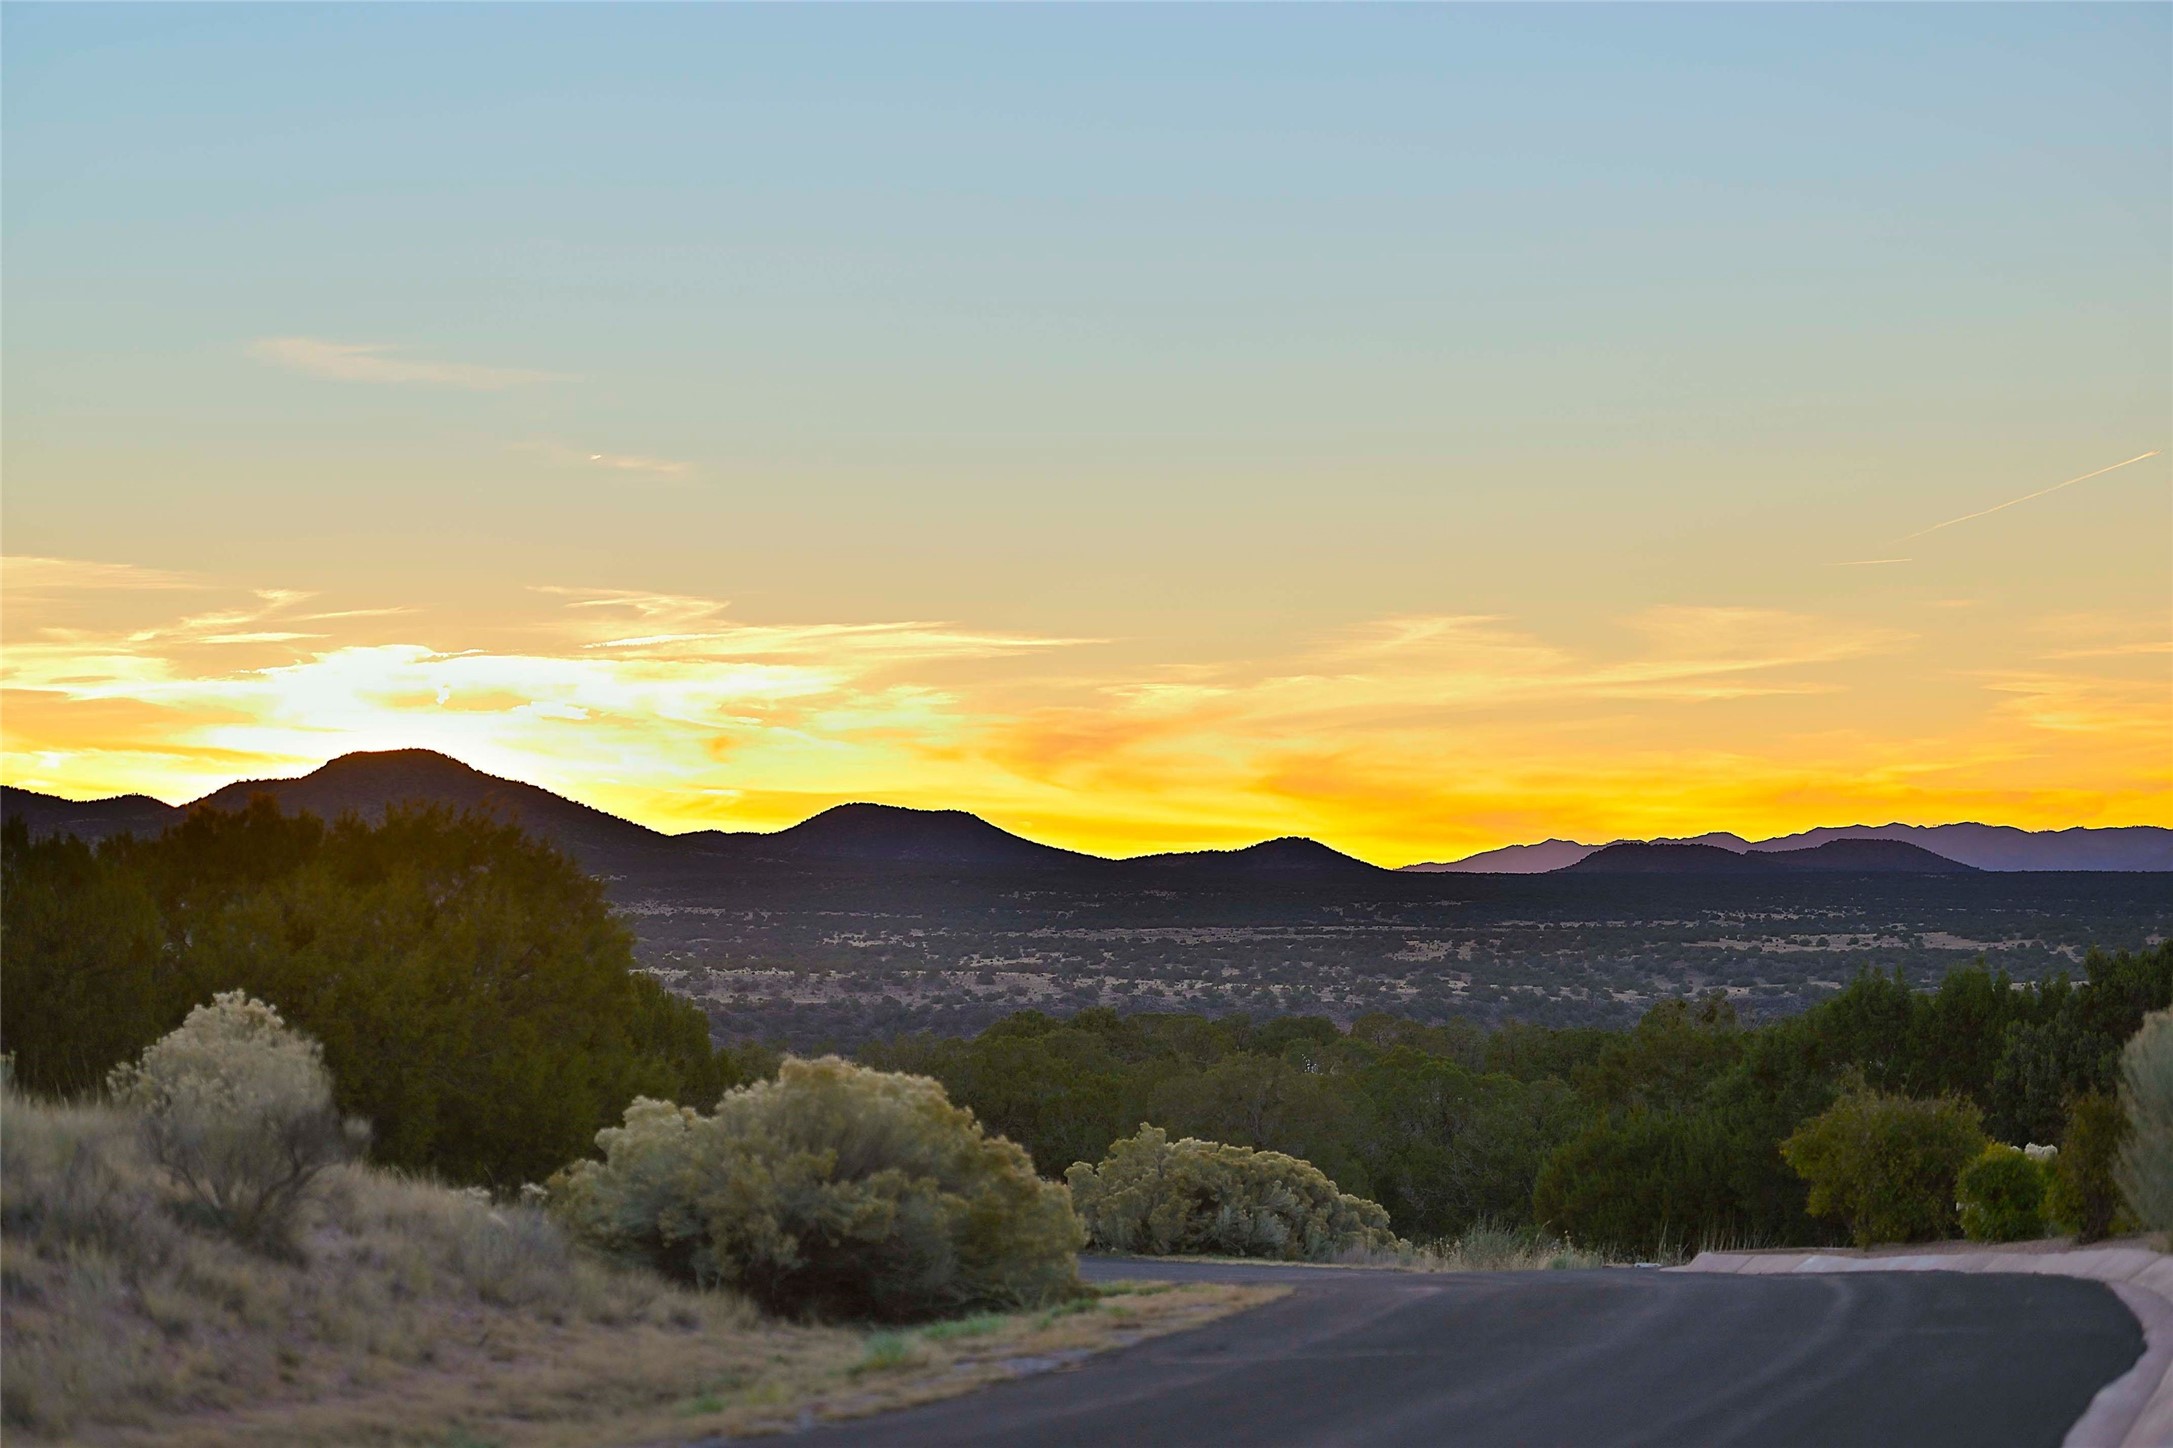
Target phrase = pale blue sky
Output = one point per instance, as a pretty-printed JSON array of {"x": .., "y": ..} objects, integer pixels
[
  {"x": 966, "y": 243},
  {"x": 1214, "y": 332}
]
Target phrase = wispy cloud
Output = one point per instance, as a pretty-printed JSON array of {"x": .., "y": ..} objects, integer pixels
[
  {"x": 2026, "y": 497},
  {"x": 644, "y": 464},
  {"x": 380, "y": 363},
  {"x": 668, "y": 625},
  {"x": 662, "y": 686},
  {"x": 635, "y": 463},
  {"x": 24, "y": 575},
  {"x": 2094, "y": 704}
]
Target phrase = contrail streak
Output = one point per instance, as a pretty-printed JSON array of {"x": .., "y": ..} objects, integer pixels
[{"x": 2086, "y": 477}]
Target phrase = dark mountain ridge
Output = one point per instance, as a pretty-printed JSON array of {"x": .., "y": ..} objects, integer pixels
[
  {"x": 1841, "y": 856},
  {"x": 893, "y": 834},
  {"x": 2004, "y": 847},
  {"x": 861, "y": 837},
  {"x": 89, "y": 819},
  {"x": 1292, "y": 856},
  {"x": 2124, "y": 848},
  {"x": 853, "y": 837}
]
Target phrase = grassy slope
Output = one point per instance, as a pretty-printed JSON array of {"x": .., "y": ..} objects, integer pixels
[{"x": 417, "y": 1314}]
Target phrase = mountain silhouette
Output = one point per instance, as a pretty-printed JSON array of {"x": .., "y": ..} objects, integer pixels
[
  {"x": 862, "y": 837},
  {"x": 2123, "y": 848},
  {"x": 1868, "y": 857},
  {"x": 86, "y": 819},
  {"x": 1291, "y": 857},
  {"x": 367, "y": 783},
  {"x": 1843, "y": 856},
  {"x": 2004, "y": 847},
  {"x": 1510, "y": 860},
  {"x": 893, "y": 834},
  {"x": 1635, "y": 857}
]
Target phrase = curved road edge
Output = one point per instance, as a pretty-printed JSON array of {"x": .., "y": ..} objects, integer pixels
[
  {"x": 2135, "y": 1410},
  {"x": 1390, "y": 1359}
]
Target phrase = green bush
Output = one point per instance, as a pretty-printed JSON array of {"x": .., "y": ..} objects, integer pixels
[
  {"x": 2001, "y": 1196},
  {"x": 237, "y": 1107},
  {"x": 1155, "y": 1196},
  {"x": 2085, "y": 1197},
  {"x": 1887, "y": 1165},
  {"x": 2145, "y": 1157},
  {"x": 1640, "y": 1185},
  {"x": 834, "y": 1190}
]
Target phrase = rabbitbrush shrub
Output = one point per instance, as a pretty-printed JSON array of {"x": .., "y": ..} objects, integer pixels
[
  {"x": 1156, "y": 1196},
  {"x": 1887, "y": 1165},
  {"x": 237, "y": 1107},
  {"x": 835, "y": 1190},
  {"x": 2002, "y": 1196},
  {"x": 2145, "y": 1170}
]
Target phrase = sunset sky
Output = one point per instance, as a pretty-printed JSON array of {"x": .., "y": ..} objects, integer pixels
[{"x": 1423, "y": 429}]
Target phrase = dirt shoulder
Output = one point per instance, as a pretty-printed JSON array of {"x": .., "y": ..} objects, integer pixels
[{"x": 531, "y": 1385}]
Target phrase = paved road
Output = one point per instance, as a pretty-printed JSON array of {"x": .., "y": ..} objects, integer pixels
[{"x": 1617, "y": 1357}]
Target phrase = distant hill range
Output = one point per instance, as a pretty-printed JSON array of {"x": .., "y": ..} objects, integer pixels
[
  {"x": 1540, "y": 859},
  {"x": 1978, "y": 847},
  {"x": 846, "y": 837},
  {"x": 1855, "y": 857},
  {"x": 857, "y": 838}
]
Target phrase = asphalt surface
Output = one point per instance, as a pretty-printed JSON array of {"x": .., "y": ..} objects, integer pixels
[{"x": 1611, "y": 1357}]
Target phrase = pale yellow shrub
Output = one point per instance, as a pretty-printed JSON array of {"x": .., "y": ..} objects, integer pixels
[
  {"x": 835, "y": 1190},
  {"x": 237, "y": 1106},
  {"x": 1155, "y": 1196}
]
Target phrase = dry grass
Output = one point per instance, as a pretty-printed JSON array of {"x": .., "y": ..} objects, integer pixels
[
  {"x": 1503, "y": 1249},
  {"x": 1482, "y": 1249},
  {"x": 424, "y": 1315}
]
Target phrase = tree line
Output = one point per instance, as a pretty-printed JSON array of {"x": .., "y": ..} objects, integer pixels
[
  {"x": 476, "y": 999},
  {"x": 1665, "y": 1135}
]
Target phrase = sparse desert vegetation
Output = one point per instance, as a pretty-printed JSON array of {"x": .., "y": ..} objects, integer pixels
[
  {"x": 390, "y": 1309},
  {"x": 834, "y": 963},
  {"x": 204, "y": 1240}
]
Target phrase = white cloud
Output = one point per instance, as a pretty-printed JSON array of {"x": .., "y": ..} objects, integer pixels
[
  {"x": 622, "y": 463},
  {"x": 375, "y": 362},
  {"x": 559, "y": 454}
]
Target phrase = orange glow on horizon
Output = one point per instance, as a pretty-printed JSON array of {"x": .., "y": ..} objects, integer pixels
[{"x": 1396, "y": 739}]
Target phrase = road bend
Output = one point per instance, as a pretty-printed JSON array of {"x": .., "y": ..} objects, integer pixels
[{"x": 1595, "y": 1359}]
